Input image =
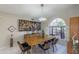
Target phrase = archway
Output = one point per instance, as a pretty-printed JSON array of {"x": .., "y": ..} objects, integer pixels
[{"x": 58, "y": 28}]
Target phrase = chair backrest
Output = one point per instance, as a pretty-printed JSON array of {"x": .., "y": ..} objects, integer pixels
[
  {"x": 44, "y": 46},
  {"x": 20, "y": 45},
  {"x": 46, "y": 42},
  {"x": 55, "y": 41},
  {"x": 49, "y": 41}
]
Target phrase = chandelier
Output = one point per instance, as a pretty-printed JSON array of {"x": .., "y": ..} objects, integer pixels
[{"x": 42, "y": 18}]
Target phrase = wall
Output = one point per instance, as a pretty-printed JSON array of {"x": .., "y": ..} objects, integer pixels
[
  {"x": 7, "y": 20},
  {"x": 65, "y": 14},
  {"x": 45, "y": 25}
]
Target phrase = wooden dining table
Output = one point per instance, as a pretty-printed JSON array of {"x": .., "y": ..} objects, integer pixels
[{"x": 35, "y": 39}]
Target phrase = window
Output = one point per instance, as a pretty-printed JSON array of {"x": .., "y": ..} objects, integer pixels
[{"x": 58, "y": 28}]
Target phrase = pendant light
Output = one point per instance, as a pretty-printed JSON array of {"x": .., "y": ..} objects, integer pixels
[{"x": 42, "y": 18}]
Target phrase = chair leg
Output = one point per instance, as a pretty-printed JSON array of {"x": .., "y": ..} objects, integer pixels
[
  {"x": 56, "y": 47},
  {"x": 22, "y": 52},
  {"x": 28, "y": 52},
  {"x": 48, "y": 52},
  {"x": 44, "y": 52},
  {"x": 53, "y": 47}
]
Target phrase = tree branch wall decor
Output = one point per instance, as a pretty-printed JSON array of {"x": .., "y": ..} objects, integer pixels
[{"x": 26, "y": 25}]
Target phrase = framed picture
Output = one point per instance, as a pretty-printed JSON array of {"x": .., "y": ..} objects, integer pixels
[{"x": 25, "y": 25}]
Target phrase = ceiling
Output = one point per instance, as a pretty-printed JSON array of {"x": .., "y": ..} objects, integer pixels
[{"x": 33, "y": 10}]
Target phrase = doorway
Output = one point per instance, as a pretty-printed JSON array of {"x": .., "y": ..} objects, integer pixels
[{"x": 58, "y": 28}]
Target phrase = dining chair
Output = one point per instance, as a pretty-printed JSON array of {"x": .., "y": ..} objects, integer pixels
[
  {"x": 49, "y": 41},
  {"x": 45, "y": 46},
  {"x": 54, "y": 42},
  {"x": 24, "y": 47}
]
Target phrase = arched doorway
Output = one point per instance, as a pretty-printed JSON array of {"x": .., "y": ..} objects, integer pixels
[{"x": 58, "y": 28}]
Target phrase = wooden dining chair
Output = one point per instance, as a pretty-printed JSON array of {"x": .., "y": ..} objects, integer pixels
[
  {"x": 49, "y": 41},
  {"x": 44, "y": 46},
  {"x": 54, "y": 42},
  {"x": 24, "y": 47}
]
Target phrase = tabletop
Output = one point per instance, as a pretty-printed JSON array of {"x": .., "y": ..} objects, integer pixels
[{"x": 36, "y": 39}]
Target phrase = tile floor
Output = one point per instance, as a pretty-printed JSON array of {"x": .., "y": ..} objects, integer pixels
[
  {"x": 60, "y": 50},
  {"x": 36, "y": 50}
]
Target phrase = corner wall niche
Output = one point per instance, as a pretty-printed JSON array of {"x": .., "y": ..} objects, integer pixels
[{"x": 26, "y": 25}]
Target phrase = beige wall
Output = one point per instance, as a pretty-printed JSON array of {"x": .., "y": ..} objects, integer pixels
[
  {"x": 7, "y": 20},
  {"x": 65, "y": 14},
  {"x": 45, "y": 25}
]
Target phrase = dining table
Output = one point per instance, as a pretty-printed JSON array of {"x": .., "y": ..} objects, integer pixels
[{"x": 35, "y": 39}]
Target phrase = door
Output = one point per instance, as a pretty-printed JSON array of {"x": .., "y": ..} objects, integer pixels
[{"x": 74, "y": 28}]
